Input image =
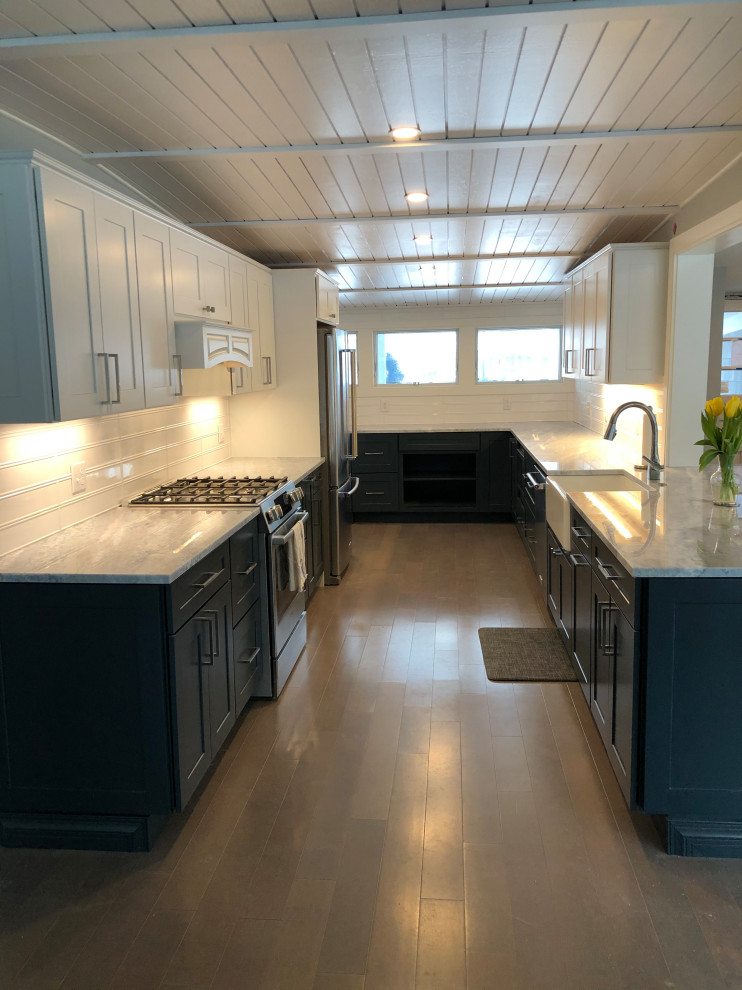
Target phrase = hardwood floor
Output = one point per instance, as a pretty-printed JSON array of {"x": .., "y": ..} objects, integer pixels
[{"x": 395, "y": 821}]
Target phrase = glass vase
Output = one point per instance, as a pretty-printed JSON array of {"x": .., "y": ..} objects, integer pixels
[{"x": 725, "y": 482}]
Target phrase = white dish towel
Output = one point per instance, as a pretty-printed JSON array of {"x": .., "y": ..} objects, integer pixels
[{"x": 297, "y": 554}]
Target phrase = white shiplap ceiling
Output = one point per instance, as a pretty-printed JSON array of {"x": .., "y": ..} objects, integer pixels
[{"x": 549, "y": 129}]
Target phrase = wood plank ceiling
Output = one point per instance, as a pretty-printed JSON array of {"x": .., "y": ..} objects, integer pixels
[{"x": 548, "y": 129}]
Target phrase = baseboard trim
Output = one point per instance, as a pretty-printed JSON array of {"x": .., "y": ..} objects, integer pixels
[
  {"x": 689, "y": 837},
  {"x": 102, "y": 832}
]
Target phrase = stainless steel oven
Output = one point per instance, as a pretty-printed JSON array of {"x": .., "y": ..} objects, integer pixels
[{"x": 287, "y": 595}]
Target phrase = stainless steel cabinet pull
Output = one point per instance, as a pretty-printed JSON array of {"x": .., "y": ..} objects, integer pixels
[
  {"x": 556, "y": 553},
  {"x": 267, "y": 371},
  {"x": 207, "y": 658},
  {"x": 588, "y": 351},
  {"x": 580, "y": 532},
  {"x": 579, "y": 560},
  {"x": 213, "y": 575},
  {"x": 117, "y": 378},
  {"x": 178, "y": 362},
  {"x": 374, "y": 493},
  {"x": 569, "y": 365},
  {"x": 373, "y": 453},
  {"x": 251, "y": 657},
  {"x": 608, "y": 571},
  {"x": 107, "y": 400},
  {"x": 246, "y": 573}
]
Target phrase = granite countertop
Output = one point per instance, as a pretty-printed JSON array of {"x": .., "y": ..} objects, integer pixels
[
  {"x": 142, "y": 545},
  {"x": 667, "y": 530}
]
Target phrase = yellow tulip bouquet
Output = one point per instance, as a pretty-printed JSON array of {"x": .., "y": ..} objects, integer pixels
[{"x": 723, "y": 442}]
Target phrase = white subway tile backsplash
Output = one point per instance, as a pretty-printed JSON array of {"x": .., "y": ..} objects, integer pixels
[{"x": 124, "y": 454}]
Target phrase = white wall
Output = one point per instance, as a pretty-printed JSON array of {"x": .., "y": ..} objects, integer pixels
[
  {"x": 284, "y": 422},
  {"x": 467, "y": 402}
]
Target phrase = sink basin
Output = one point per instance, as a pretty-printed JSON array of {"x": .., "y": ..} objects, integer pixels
[{"x": 558, "y": 507}]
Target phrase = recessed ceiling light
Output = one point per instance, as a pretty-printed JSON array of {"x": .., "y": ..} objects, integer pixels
[
  {"x": 405, "y": 133},
  {"x": 423, "y": 239},
  {"x": 416, "y": 197}
]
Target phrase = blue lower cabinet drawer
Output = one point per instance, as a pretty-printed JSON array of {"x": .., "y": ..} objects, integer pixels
[{"x": 377, "y": 493}]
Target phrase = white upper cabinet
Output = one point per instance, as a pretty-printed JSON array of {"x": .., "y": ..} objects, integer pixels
[
  {"x": 264, "y": 359},
  {"x": 69, "y": 256},
  {"x": 27, "y": 384},
  {"x": 200, "y": 273},
  {"x": 163, "y": 379},
  {"x": 328, "y": 299},
  {"x": 120, "y": 362},
  {"x": 614, "y": 316}
]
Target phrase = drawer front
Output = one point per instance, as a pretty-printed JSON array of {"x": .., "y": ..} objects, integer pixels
[
  {"x": 246, "y": 569},
  {"x": 192, "y": 589},
  {"x": 581, "y": 536},
  {"x": 377, "y": 493},
  {"x": 616, "y": 578},
  {"x": 249, "y": 656},
  {"x": 377, "y": 453},
  {"x": 439, "y": 441}
]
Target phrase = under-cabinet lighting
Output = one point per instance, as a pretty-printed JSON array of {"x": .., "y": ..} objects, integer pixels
[
  {"x": 416, "y": 197},
  {"x": 200, "y": 411},
  {"x": 423, "y": 239},
  {"x": 405, "y": 133}
]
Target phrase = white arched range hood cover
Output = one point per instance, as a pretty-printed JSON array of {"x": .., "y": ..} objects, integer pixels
[{"x": 206, "y": 345}]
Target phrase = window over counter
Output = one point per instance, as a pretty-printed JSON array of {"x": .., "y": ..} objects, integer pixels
[
  {"x": 530, "y": 354},
  {"x": 416, "y": 357}
]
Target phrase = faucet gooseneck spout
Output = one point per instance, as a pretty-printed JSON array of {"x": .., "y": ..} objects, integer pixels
[{"x": 654, "y": 459}]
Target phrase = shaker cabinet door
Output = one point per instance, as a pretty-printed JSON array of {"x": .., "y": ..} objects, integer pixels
[
  {"x": 162, "y": 381},
  {"x": 121, "y": 360},
  {"x": 67, "y": 219}
]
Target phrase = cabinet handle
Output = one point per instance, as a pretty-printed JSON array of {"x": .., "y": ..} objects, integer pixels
[
  {"x": 588, "y": 351},
  {"x": 251, "y": 657},
  {"x": 579, "y": 560},
  {"x": 209, "y": 309},
  {"x": 178, "y": 362},
  {"x": 608, "y": 571},
  {"x": 107, "y": 400},
  {"x": 372, "y": 453},
  {"x": 246, "y": 573},
  {"x": 234, "y": 384},
  {"x": 212, "y": 576},
  {"x": 206, "y": 618},
  {"x": 117, "y": 378},
  {"x": 569, "y": 366},
  {"x": 556, "y": 553},
  {"x": 374, "y": 493},
  {"x": 606, "y": 638},
  {"x": 267, "y": 371},
  {"x": 580, "y": 532}
]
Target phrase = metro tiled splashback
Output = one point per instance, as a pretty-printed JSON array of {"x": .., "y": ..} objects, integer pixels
[
  {"x": 594, "y": 404},
  {"x": 123, "y": 455}
]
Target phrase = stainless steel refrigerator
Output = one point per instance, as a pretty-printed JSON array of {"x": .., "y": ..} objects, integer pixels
[{"x": 339, "y": 432}]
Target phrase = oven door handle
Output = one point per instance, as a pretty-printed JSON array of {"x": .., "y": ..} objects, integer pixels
[{"x": 279, "y": 541}]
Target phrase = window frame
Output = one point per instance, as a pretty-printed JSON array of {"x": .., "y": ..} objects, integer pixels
[
  {"x": 518, "y": 381},
  {"x": 388, "y": 333}
]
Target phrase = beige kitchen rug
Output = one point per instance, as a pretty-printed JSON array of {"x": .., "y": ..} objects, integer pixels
[{"x": 525, "y": 655}]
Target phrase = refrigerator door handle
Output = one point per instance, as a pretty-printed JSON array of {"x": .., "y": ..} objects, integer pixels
[
  {"x": 351, "y": 491},
  {"x": 353, "y": 388}
]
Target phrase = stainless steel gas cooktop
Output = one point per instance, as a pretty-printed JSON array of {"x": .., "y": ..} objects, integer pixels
[{"x": 211, "y": 491}]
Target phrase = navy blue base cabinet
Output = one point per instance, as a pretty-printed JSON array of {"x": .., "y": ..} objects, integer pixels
[
  {"x": 432, "y": 475},
  {"x": 115, "y": 699}
]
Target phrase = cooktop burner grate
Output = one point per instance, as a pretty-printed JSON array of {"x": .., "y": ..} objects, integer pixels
[{"x": 211, "y": 491}]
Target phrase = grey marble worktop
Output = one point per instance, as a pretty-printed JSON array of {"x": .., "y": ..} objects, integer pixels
[
  {"x": 142, "y": 545},
  {"x": 668, "y": 530}
]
